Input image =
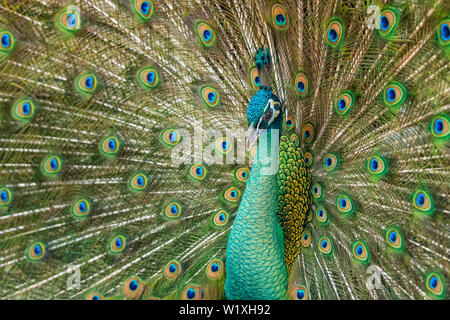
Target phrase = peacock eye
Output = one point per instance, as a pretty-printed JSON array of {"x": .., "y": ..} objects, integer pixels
[
  {"x": 344, "y": 102},
  {"x": 325, "y": 245},
  {"x": 70, "y": 19},
  {"x": 210, "y": 96},
  {"x": 435, "y": 285},
  {"x": 36, "y": 251},
  {"x": 345, "y": 204},
  {"x": 51, "y": 165},
  {"x": 205, "y": 33},
  {"x": 138, "y": 182},
  {"x": 308, "y": 132},
  {"x": 133, "y": 288},
  {"x": 6, "y": 41},
  {"x": 280, "y": 18},
  {"x": 394, "y": 95},
  {"x": 335, "y": 32},
  {"x": 143, "y": 8},
  {"x": 23, "y": 110},
  {"x": 439, "y": 127},
  {"x": 388, "y": 21},
  {"x": 255, "y": 80},
  {"x": 148, "y": 77},
  {"x": 443, "y": 31},
  {"x": 173, "y": 210},
  {"x": 109, "y": 146},
  {"x": 172, "y": 269},
  {"x": 301, "y": 84},
  {"x": 80, "y": 209},
  {"x": 305, "y": 238},
  {"x": 86, "y": 83},
  {"x": 232, "y": 194},
  {"x": 94, "y": 296},
  {"x": 214, "y": 269}
]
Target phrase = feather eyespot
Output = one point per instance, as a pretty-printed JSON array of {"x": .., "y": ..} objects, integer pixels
[
  {"x": 69, "y": 19},
  {"x": 232, "y": 194},
  {"x": 192, "y": 292},
  {"x": 117, "y": 244},
  {"x": 309, "y": 159},
  {"x": 94, "y": 296},
  {"x": 423, "y": 202},
  {"x": 210, "y": 96},
  {"x": 360, "y": 252},
  {"x": 345, "y": 204},
  {"x": 86, "y": 83},
  {"x": 36, "y": 252},
  {"x": 173, "y": 210},
  {"x": 143, "y": 8},
  {"x": 388, "y": 21},
  {"x": 51, "y": 165},
  {"x": 435, "y": 285},
  {"x": 170, "y": 137},
  {"x": 133, "y": 288},
  {"x": 110, "y": 146},
  {"x": 205, "y": 33},
  {"x": 280, "y": 18},
  {"x": 301, "y": 84},
  {"x": 330, "y": 162},
  {"x": 377, "y": 166},
  {"x": 308, "y": 133},
  {"x": 81, "y": 209},
  {"x": 344, "y": 103},
  {"x": 6, "y": 41},
  {"x": 148, "y": 77},
  {"x": 138, "y": 182},
  {"x": 289, "y": 122},
  {"x": 325, "y": 245},
  {"x": 221, "y": 218},
  {"x": 443, "y": 32},
  {"x": 172, "y": 269},
  {"x": 394, "y": 239},
  {"x": 198, "y": 172},
  {"x": 5, "y": 196},
  {"x": 322, "y": 215},
  {"x": 215, "y": 269},
  {"x": 439, "y": 127},
  {"x": 299, "y": 293},
  {"x": 305, "y": 238},
  {"x": 255, "y": 80},
  {"x": 242, "y": 174},
  {"x": 317, "y": 191},
  {"x": 23, "y": 110},
  {"x": 394, "y": 95},
  {"x": 223, "y": 145},
  {"x": 335, "y": 32}
]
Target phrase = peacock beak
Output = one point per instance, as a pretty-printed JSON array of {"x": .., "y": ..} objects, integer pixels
[{"x": 252, "y": 135}]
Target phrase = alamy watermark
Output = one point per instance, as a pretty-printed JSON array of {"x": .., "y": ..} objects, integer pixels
[{"x": 73, "y": 281}]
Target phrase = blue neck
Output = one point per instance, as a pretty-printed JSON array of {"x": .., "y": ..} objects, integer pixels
[{"x": 255, "y": 252}]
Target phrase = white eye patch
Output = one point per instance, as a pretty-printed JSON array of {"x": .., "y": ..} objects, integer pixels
[{"x": 274, "y": 112}]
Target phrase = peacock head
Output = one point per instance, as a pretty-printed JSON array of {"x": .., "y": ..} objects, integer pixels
[{"x": 264, "y": 112}]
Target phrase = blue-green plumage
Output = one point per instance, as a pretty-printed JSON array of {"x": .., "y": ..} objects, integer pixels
[{"x": 254, "y": 257}]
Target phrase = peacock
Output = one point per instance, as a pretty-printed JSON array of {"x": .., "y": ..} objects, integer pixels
[{"x": 224, "y": 149}]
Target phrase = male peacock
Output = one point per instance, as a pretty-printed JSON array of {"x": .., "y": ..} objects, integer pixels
[{"x": 106, "y": 104}]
